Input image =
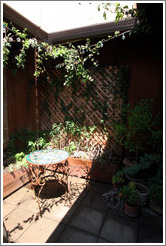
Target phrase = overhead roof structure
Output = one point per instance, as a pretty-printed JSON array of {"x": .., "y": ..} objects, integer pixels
[{"x": 49, "y": 32}]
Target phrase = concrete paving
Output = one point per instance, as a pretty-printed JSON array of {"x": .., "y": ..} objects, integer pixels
[{"x": 87, "y": 220}]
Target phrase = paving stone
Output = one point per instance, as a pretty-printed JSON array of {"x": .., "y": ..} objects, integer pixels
[
  {"x": 57, "y": 212},
  {"x": 150, "y": 234},
  {"x": 119, "y": 229},
  {"x": 52, "y": 189},
  {"x": 78, "y": 197},
  {"x": 56, "y": 233},
  {"x": 102, "y": 187},
  {"x": 81, "y": 223},
  {"x": 29, "y": 203},
  {"x": 74, "y": 235},
  {"x": 39, "y": 232},
  {"x": 7, "y": 208},
  {"x": 94, "y": 200},
  {"x": 72, "y": 210},
  {"x": 150, "y": 227},
  {"x": 18, "y": 221},
  {"x": 149, "y": 217},
  {"x": 101, "y": 240},
  {"x": 19, "y": 196},
  {"x": 88, "y": 219},
  {"x": 76, "y": 190}
]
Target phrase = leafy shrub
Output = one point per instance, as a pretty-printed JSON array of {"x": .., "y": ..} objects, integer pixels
[
  {"x": 141, "y": 133},
  {"x": 19, "y": 142},
  {"x": 118, "y": 177},
  {"x": 19, "y": 156},
  {"x": 130, "y": 194},
  {"x": 40, "y": 143},
  {"x": 71, "y": 137}
]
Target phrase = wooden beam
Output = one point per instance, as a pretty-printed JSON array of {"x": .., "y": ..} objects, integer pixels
[{"x": 13, "y": 16}]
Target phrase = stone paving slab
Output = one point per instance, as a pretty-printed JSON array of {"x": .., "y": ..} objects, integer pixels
[
  {"x": 94, "y": 200},
  {"x": 56, "y": 233},
  {"x": 57, "y": 212},
  {"x": 74, "y": 235},
  {"x": 39, "y": 231},
  {"x": 101, "y": 240},
  {"x": 85, "y": 221},
  {"x": 101, "y": 187},
  {"x": 18, "y": 221},
  {"x": 147, "y": 217},
  {"x": 8, "y": 208},
  {"x": 19, "y": 196},
  {"x": 150, "y": 234},
  {"x": 30, "y": 204},
  {"x": 118, "y": 229},
  {"x": 150, "y": 227},
  {"x": 88, "y": 219}
]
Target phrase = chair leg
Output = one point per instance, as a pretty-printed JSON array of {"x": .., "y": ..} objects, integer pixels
[{"x": 5, "y": 234}]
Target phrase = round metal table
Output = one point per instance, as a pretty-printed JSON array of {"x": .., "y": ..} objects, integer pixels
[{"x": 44, "y": 165}]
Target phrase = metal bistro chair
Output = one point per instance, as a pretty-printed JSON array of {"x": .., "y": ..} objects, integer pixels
[{"x": 84, "y": 171}]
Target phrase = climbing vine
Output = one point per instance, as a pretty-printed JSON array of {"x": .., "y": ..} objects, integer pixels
[
  {"x": 121, "y": 11},
  {"x": 73, "y": 58}
]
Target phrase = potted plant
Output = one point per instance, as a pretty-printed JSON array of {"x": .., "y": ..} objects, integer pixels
[
  {"x": 156, "y": 191},
  {"x": 118, "y": 179},
  {"x": 138, "y": 134},
  {"x": 132, "y": 202},
  {"x": 147, "y": 166}
]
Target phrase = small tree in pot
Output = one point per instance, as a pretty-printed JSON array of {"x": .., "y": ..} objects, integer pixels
[{"x": 138, "y": 135}]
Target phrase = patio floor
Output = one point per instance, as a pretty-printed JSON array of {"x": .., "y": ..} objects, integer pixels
[{"x": 88, "y": 220}]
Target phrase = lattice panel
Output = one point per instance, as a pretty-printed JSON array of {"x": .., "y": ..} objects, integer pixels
[{"x": 104, "y": 97}]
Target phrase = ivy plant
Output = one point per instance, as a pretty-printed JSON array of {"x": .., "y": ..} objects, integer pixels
[{"x": 73, "y": 58}]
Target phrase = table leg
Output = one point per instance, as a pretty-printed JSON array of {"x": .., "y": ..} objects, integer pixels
[{"x": 37, "y": 179}]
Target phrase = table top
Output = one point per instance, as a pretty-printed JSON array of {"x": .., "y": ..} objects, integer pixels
[{"x": 47, "y": 157}]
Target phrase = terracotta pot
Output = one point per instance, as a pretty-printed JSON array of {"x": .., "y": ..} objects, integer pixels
[
  {"x": 130, "y": 162},
  {"x": 131, "y": 211}
]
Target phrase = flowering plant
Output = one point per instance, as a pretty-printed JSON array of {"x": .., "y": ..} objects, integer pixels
[{"x": 130, "y": 194}]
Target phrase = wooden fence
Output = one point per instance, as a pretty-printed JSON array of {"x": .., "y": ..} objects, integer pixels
[{"x": 146, "y": 80}]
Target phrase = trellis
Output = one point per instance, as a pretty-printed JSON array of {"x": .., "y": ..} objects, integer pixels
[{"x": 104, "y": 104}]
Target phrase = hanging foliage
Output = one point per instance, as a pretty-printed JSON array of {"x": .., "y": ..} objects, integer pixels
[{"x": 73, "y": 58}]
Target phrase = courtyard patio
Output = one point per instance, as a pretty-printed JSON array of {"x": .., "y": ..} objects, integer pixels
[
  {"x": 87, "y": 220},
  {"x": 83, "y": 123}
]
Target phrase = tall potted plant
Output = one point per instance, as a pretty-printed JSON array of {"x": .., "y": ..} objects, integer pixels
[{"x": 137, "y": 135}]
